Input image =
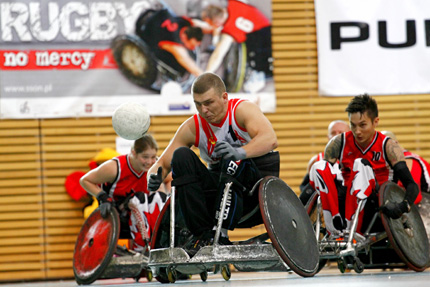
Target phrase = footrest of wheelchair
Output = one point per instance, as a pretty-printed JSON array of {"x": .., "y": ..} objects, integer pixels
[{"x": 215, "y": 255}]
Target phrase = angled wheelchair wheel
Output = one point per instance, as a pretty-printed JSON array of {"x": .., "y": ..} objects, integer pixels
[
  {"x": 288, "y": 226},
  {"x": 316, "y": 216},
  {"x": 407, "y": 234},
  {"x": 135, "y": 60},
  {"x": 235, "y": 67},
  {"x": 95, "y": 246}
]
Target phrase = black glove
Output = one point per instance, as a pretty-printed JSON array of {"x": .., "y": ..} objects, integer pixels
[
  {"x": 155, "y": 180},
  {"x": 395, "y": 210},
  {"x": 141, "y": 196},
  {"x": 105, "y": 203},
  {"x": 228, "y": 152}
]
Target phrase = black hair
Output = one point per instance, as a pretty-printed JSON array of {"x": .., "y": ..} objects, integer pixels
[
  {"x": 194, "y": 33},
  {"x": 362, "y": 104}
]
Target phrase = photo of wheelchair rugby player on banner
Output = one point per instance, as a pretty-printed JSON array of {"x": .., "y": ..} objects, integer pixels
[{"x": 175, "y": 45}]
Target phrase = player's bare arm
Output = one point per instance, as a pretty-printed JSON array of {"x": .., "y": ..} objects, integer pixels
[
  {"x": 394, "y": 152},
  {"x": 104, "y": 173},
  {"x": 220, "y": 51},
  {"x": 184, "y": 137},
  {"x": 181, "y": 55},
  {"x": 250, "y": 117},
  {"x": 332, "y": 149}
]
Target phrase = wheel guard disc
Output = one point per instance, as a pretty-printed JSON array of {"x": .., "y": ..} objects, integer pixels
[
  {"x": 95, "y": 246},
  {"x": 424, "y": 209},
  {"x": 288, "y": 226},
  {"x": 407, "y": 234}
]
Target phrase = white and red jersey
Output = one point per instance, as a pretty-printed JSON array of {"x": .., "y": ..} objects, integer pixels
[
  {"x": 374, "y": 153},
  {"x": 242, "y": 20},
  {"x": 420, "y": 171},
  {"x": 320, "y": 156},
  {"x": 126, "y": 179},
  {"x": 208, "y": 134}
]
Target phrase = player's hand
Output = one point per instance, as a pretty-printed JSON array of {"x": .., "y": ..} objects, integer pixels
[
  {"x": 155, "y": 180},
  {"x": 228, "y": 152},
  {"x": 395, "y": 210},
  {"x": 105, "y": 203}
]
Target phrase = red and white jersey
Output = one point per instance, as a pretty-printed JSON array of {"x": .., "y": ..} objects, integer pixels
[
  {"x": 320, "y": 156},
  {"x": 374, "y": 153},
  {"x": 420, "y": 171},
  {"x": 126, "y": 179},
  {"x": 208, "y": 134},
  {"x": 242, "y": 20}
]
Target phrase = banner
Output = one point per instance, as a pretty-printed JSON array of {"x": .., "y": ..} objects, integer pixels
[
  {"x": 373, "y": 46},
  {"x": 68, "y": 58}
]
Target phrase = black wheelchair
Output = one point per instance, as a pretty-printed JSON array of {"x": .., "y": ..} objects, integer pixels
[{"x": 385, "y": 242}]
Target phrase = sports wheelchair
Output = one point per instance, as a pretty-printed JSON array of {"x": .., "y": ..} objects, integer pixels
[
  {"x": 385, "y": 242},
  {"x": 288, "y": 245}
]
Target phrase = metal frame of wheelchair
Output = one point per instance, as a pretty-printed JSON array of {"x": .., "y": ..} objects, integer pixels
[
  {"x": 403, "y": 240},
  {"x": 292, "y": 246},
  {"x": 255, "y": 254}
]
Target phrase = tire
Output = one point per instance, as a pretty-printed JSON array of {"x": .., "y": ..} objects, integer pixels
[
  {"x": 135, "y": 60},
  {"x": 235, "y": 67}
]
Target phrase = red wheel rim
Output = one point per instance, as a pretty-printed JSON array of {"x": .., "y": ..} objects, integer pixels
[{"x": 95, "y": 246}]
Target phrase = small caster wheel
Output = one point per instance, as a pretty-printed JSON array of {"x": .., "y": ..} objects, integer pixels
[
  {"x": 341, "y": 266},
  {"x": 358, "y": 265},
  {"x": 149, "y": 276},
  {"x": 225, "y": 272},
  {"x": 204, "y": 276},
  {"x": 171, "y": 274}
]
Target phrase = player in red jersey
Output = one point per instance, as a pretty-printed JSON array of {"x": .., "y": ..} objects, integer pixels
[
  {"x": 241, "y": 23},
  {"x": 124, "y": 178},
  {"x": 172, "y": 39},
  {"x": 367, "y": 159},
  {"x": 419, "y": 168},
  {"x": 334, "y": 128}
]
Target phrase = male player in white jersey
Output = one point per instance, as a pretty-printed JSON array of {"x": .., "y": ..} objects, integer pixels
[{"x": 227, "y": 132}]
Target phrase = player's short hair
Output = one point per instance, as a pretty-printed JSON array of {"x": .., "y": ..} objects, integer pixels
[
  {"x": 206, "y": 81},
  {"x": 144, "y": 143},
  {"x": 362, "y": 104},
  {"x": 194, "y": 33},
  {"x": 212, "y": 12}
]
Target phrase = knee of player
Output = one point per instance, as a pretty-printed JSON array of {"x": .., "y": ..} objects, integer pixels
[
  {"x": 180, "y": 153},
  {"x": 321, "y": 164},
  {"x": 361, "y": 162}
]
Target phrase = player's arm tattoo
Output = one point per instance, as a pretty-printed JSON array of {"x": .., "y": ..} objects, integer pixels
[
  {"x": 394, "y": 152},
  {"x": 332, "y": 150}
]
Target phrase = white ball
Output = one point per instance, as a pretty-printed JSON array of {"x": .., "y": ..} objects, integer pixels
[{"x": 131, "y": 121}]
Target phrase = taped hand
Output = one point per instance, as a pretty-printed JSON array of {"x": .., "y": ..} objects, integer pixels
[
  {"x": 228, "y": 152},
  {"x": 105, "y": 203},
  {"x": 155, "y": 180},
  {"x": 394, "y": 210}
]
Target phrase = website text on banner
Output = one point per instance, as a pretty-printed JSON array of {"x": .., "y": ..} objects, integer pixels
[{"x": 66, "y": 58}]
